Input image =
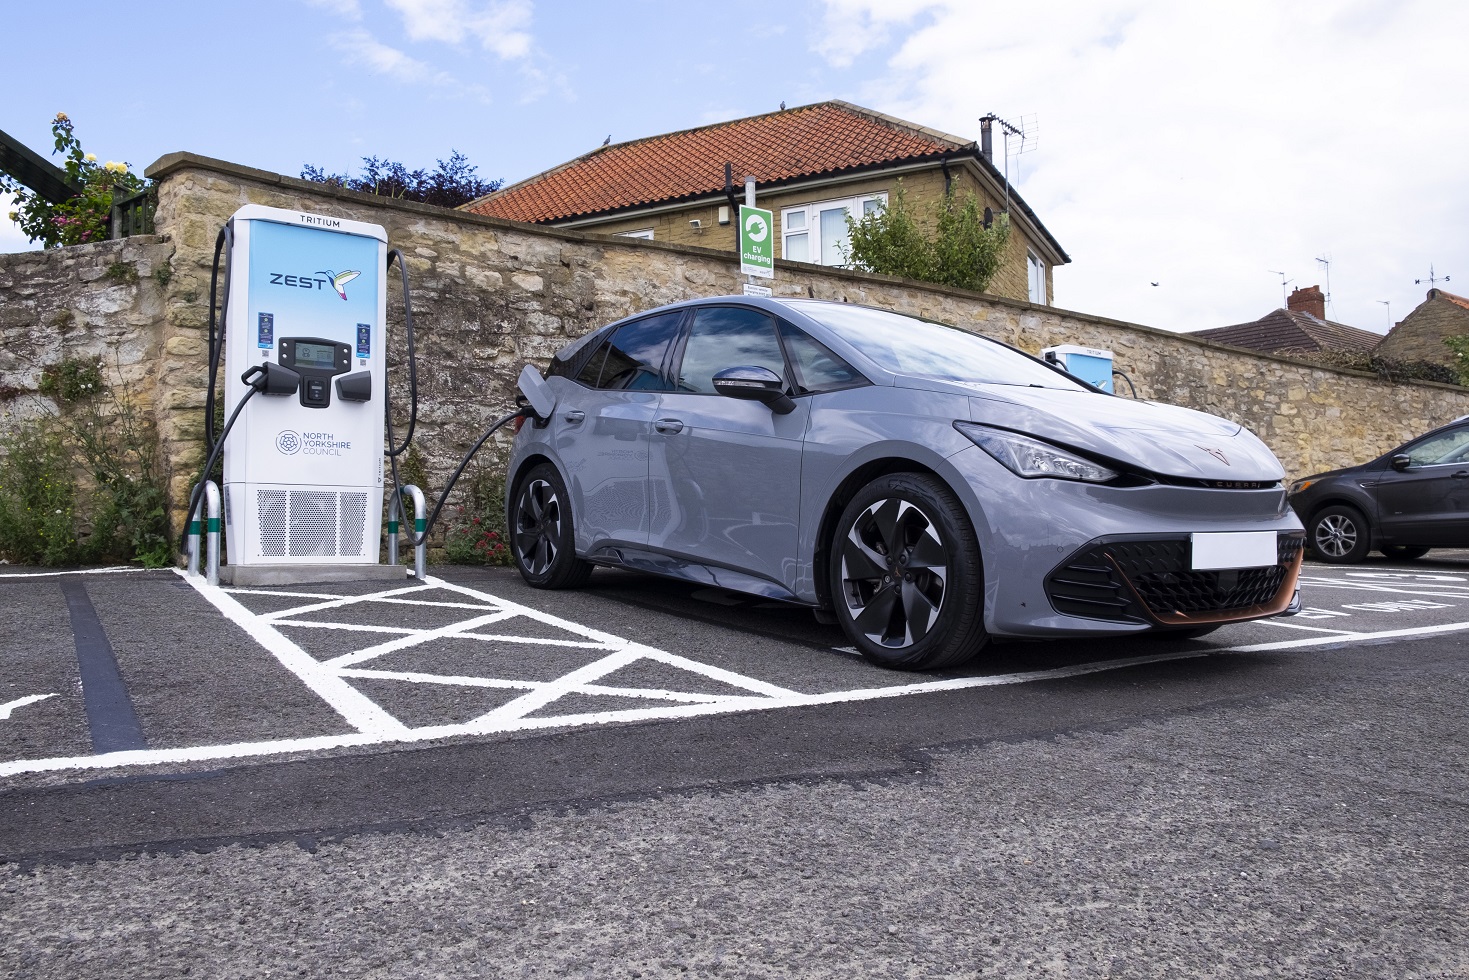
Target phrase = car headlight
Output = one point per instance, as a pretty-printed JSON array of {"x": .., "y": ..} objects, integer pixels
[
  {"x": 1300, "y": 485},
  {"x": 1032, "y": 458}
]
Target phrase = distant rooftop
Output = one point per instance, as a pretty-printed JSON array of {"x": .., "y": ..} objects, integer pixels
[{"x": 1292, "y": 332}]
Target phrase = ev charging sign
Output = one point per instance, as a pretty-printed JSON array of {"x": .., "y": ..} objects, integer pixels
[{"x": 757, "y": 242}]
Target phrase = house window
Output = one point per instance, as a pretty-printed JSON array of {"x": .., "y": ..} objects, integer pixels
[
  {"x": 640, "y": 233},
  {"x": 1036, "y": 272},
  {"x": 818, "y": 232}
]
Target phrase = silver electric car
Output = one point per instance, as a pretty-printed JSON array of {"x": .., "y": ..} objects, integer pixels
[{"x": 928, "y": 488}]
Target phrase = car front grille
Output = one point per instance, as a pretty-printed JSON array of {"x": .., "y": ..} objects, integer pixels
[{"x": 1149, "y": 581}]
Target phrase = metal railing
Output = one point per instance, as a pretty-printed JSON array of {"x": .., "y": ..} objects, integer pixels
[
  {"x": 395, "y": 519},
  {"x": 211, "y": 528}
]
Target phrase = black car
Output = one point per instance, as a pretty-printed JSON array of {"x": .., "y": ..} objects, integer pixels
[{"x": 1402, "y": 503}]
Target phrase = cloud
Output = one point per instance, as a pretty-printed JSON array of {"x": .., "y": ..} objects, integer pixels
[
  {"x": 361, "y": 48},
  {"x": 851, "y": 28},
  {"x": 1200, "y": 146},
  {"x": 500, "y": 27},
  {"x": 346, "y": 9}
]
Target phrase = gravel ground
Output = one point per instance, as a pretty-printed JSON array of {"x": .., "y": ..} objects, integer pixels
[{"x": 1316, "y": 836}]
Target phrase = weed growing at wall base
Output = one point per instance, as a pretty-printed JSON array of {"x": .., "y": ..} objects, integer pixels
[{"x": 82, "y": 485}]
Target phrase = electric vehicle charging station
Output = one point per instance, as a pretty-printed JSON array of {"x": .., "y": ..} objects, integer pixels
[
  {"x": 1090, "y": 364},
  {"x": 303, "y": 472}
]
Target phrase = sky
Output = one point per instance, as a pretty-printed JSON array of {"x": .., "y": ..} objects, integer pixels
[{"x": 1188, "y": 156}]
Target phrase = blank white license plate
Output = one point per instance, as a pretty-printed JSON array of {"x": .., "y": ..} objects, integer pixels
[{"x": 1234, "y": 549}]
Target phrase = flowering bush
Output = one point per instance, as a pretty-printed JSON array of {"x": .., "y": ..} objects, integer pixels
[{"x": 83, "y": 218}]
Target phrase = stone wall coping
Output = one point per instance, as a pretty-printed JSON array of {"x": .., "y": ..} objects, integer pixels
[
  {"x": 177, "y": 162},
  {"x": 80, "y": 251}
]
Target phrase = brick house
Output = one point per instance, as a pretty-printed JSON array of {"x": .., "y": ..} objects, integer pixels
[
  {"x": 813, "y": 165},
  {"x": 1301, "y": 329},
  {"x": 1420, "y": 335}
]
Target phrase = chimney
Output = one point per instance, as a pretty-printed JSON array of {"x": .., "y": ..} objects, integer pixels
[
  {"x": 1308, "y": 300},
  {"x": 987, "y": 138}
]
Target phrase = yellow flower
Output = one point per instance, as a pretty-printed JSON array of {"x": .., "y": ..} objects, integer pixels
[
  {"x": 115, "y": 167},
  {"x": 91, "y": 158}
]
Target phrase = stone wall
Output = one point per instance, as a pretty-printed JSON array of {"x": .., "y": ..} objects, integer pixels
[
  {"x": 101, "y": 302},
  {"x": 490, "y": 295}
]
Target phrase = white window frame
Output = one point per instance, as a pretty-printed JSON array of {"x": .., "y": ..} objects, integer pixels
[
  {"x": 646, "y": 233},
  {"x": 812, "y": 215},
  {"x": 1035, "y": 278}
]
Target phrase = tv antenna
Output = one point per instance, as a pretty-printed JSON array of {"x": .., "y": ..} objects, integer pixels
[
  {"x": 1432, "y": 279},
  {"x": 1026, "y": 132},
  {"x": 1325, "y": 261},
  {"x": 1284, "y": 302},
  {"x": 1387, "y": 303}
]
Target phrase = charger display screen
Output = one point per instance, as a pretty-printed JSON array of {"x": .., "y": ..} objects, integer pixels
[{"x": 323, "y": 356}]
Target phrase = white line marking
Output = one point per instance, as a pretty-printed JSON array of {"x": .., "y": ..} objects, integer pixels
[
  {"x": 343, "y": 601},
  {"x": 418, "y": 638},
  {"x": 357, "y": 627},
  {"x": 287, "y": 595},
  {"x": 80, "y": 571},
  {"x": 358, "y": 710},
  {"x": 542, "y": 641},
  {"x": 481, "y": 726},
  {"x": 495, "y": 682},
  {"x": 9, "y": 706},
  {"x": 1313, "y": 629},
  {"x": 380, "y": 728}
]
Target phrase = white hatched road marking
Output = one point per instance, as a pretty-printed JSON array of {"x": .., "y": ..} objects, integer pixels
[
  {"x": 10, "y": 706},
  {"x": 376, "y": 726}
]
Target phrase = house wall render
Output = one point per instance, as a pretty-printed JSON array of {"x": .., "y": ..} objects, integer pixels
[{"x": 490, "y": 295}]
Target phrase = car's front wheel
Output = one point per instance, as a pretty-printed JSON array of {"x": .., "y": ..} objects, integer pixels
[
  {"x": 541, "y": 533},
  {"x": 1339, "y": 535},
  {"x": 906, "y": 575}
]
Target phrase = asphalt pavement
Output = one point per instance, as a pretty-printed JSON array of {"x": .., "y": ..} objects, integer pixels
[{"x": 466, "y": 777}]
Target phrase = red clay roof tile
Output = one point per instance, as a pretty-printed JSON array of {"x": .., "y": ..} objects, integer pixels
[{"x": 801, "y": 142}]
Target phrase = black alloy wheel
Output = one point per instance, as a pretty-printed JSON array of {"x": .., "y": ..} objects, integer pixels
[
  {"x": 542, "y": 539},
  {"x": 1403, "y": 552},
  {"x": 906, "y": 574},
  {"x": 1339, "y": 535}
]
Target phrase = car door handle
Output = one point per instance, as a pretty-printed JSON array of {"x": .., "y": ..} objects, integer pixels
[
  {"x": 574, "y": 416},
  {"x": 1461, "y": 475},
  {"x": 668, "y": 426}
]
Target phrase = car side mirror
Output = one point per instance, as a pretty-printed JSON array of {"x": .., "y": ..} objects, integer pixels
[
  {"x": 1401, "y": 462},
  {"x": 759, "y": 384}
]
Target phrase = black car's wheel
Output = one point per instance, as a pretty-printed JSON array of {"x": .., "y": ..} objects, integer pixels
[
  {"x": 1339, "y": 535},
  {"x": 541, "y": 533},
  {"x": 906, "y": 575},
  {"x": 1402, "y": 552}
]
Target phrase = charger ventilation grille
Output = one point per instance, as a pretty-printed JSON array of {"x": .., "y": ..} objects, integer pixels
[{"x": 311, "y": 523}]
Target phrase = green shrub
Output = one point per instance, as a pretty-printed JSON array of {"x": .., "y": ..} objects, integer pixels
[
  {"x": 83, "y": 485},
  {"x": 475, "y": 534},
  {"x": 962, "y": 252}
]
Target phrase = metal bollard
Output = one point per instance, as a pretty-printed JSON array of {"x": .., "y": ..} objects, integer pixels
[
  {"x": 395, "y": 516},
  {"x": 211, "y": 528}
]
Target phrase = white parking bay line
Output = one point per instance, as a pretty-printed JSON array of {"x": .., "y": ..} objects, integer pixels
[
  {"x": 358, "y": 710},
  {"x": 583, "y": 680}
]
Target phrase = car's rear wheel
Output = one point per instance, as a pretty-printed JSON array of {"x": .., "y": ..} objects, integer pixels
[
  {"x": 906, "y": 575},
  {"x": 541, "y": 533},
  {"x": 1339, "y": 535},
  {"x": 1402, "y": 552}
]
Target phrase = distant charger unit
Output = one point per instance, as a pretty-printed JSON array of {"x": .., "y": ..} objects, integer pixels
[{"x": 1090, "y": 364}]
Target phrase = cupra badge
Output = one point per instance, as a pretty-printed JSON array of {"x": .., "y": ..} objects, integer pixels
[{"x": 1217, "y": 454}]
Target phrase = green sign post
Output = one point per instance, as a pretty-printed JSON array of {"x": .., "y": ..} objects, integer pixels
[{"x": 757, "y": 242}]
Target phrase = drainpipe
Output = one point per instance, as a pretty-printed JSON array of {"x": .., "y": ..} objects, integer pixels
[
  {"x": 729, "y": 194},
  {"x": 948, "y": 177}
]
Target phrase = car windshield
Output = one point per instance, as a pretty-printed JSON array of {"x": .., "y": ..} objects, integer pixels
[{"x": 924, "y": 349}]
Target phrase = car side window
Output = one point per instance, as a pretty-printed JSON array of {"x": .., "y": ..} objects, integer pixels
[
  {"x": 1449, "y": 447},
  {"x": 725, "y": 337},
  {"x": 635, "y": 354},
  {"x": 817, "y": 368}
]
